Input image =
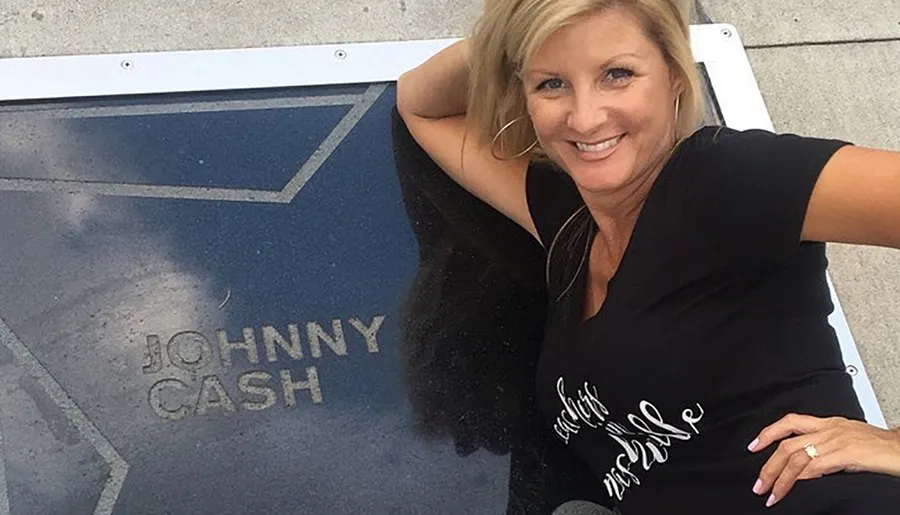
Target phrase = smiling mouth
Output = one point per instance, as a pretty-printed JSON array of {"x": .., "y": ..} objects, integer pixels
[{"x": 598, "y": 147}]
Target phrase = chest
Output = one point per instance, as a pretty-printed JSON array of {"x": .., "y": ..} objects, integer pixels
[
  {"x": 636, "y": 268},
  {"x": 674, "y": 326},
  {"x": 638, "y": 323},
  {"x": 604, "y": 255}
]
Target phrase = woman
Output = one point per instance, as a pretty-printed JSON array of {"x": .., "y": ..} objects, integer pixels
[
  {"x": 686, "y": 267},
  {"x": 470, "y": 335}
]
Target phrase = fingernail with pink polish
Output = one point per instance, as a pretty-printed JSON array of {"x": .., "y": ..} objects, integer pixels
[
  {"x": 753, "y": 444},
  {"x": 757, "y": 488},
  {"x": 771, "y": 501}
]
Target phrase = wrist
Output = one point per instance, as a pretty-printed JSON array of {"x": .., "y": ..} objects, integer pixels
[{"x": 438, "y": 87}]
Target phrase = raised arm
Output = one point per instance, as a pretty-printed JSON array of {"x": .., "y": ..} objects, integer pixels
[
  {"x": 431, "y": 99},
  {"x": 856, "y": 199}
]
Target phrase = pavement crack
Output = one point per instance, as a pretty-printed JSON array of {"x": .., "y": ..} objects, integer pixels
[{"x": 834, "y": 42}]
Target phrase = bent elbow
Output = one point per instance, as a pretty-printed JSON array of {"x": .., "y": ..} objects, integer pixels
[{"x": 403, "y": 95}]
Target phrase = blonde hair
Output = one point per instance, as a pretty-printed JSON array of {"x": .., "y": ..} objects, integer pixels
[{"x": 509, "y": 32}]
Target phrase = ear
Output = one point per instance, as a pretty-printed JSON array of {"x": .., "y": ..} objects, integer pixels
[{"x": 677, "y": 82}]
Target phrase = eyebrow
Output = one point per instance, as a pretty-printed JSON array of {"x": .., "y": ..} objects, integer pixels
[{"x": 538, "y": 71}]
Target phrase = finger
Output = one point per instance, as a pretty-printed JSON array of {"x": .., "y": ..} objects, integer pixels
[
  {"x": 825, "y": 464},
  {"x": 827, "y": 441},
  {"x": 791, "y": 472},
  {"x": 837, "y": 453},
  {"x": 831, "y": 457},
  {"x": 792, "y": 424},
  {"x": 775, "y": 465}
]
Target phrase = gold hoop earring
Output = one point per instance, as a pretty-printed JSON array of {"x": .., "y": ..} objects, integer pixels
[
  {"x": 677, "y": 109},
  {"x": 494, "y": 142}
]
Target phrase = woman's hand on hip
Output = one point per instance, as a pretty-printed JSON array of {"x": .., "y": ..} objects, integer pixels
[{"x": 811, "y": 447}]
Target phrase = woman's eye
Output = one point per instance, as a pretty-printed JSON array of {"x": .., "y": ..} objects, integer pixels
[
  {"x": 550, "y": 84},
  {"x": 619, "y": 74}
]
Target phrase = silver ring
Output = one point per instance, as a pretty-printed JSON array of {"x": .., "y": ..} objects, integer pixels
[{"x": 811, "y": 451}]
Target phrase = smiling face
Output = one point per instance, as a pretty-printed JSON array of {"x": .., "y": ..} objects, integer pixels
[{"x": 602, "y": 100}]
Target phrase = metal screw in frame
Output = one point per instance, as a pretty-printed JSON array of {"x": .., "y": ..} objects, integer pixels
[
  {"x": 852, "y": 370},
  {"x": 340, "y": 54}
]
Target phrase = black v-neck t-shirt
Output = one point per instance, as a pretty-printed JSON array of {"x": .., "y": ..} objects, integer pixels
[{"x": 714, "y": 325}]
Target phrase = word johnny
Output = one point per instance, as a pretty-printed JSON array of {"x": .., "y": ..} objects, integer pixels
[{"x": 190, "y": 351}]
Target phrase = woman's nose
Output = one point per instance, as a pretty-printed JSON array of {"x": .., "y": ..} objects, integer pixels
[{"x": 587, "y": 113}]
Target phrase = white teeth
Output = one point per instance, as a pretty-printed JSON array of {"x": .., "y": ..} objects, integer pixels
[{"x": 599, "y": 147}]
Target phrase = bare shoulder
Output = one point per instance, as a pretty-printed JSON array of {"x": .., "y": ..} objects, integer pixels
[{"x": 452, "y": 144}]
